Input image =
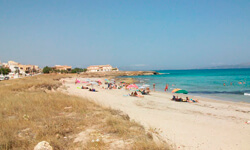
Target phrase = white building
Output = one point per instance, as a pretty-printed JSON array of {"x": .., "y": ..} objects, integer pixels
[
  {"x": 13, "y": 66},
  {"x": 101, "y": 68}
]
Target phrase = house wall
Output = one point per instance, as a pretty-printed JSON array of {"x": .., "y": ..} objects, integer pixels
[{"x": 100, "y": 68}]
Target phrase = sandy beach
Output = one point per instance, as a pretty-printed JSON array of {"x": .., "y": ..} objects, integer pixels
[{"x": 209, "y": 124}]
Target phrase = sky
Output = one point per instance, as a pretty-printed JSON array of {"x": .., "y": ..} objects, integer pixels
[{"x": 128, "y": 34}]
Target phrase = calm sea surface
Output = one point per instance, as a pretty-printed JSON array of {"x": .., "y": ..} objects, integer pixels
[{"x": 223, "y": 84}]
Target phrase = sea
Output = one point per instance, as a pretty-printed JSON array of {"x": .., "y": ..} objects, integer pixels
[{"x": 221, "y": 84}]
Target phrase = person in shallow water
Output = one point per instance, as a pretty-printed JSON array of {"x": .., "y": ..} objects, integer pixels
[{"x": 166, "y": 88}]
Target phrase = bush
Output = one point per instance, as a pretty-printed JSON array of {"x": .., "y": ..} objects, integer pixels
[
  {"x": 47, "y": 69},
  {"x": 77, "y": 70},
  {"x": 5, "y": 71}
]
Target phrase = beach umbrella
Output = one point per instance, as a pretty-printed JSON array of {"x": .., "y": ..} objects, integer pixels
[
  {"x": 180, "y": 91},
  {"x": 132, "y": 86},
  {"x": 175, "y": 90}
]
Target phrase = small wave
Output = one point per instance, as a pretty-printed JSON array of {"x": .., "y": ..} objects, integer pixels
[
  {"x": 164, "y": 73},
  {"x": 247, "y": 94}
]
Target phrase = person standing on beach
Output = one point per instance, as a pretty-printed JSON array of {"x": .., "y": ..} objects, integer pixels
[
  {"x": 166, "y": 88},
  {"x": 154, "y": 87}
]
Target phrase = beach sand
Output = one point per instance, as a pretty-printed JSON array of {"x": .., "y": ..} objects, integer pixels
[{"x": 209, "y": 124}]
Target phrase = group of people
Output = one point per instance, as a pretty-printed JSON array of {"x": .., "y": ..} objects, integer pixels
[
  {"x": 179, "y": 99},
  {"x": 136, "y": 94},
  {"x": 112, "y": 86}
]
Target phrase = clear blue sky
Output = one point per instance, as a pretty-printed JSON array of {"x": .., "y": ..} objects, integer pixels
[{"x": 131, "y": 34}]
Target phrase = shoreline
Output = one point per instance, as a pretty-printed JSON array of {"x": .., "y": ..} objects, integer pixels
[
  {"x": 209, "y": 98},
  {"x": 213, "y": 96},
  {"x": 209, "y": 124}
]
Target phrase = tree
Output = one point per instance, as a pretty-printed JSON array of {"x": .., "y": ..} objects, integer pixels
[
  {"x": 5, "y": 71},
  {"x": 77, "y": 70},
  {"x": 47, "y": 69}
]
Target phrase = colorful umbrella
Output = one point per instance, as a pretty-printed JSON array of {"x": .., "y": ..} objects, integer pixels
[
  {"x": 175, "y": 90},
  {"x": 180, "y": 91},
  {"x": 132, "y": 86}
]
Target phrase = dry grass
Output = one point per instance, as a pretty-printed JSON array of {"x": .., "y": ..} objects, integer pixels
[{"x": 32, "y": 110}]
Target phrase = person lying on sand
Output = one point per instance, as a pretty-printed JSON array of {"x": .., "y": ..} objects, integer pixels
[
  {"x": 173, "y": 97},
  {"x": 178, "y": 99},
  {"x": 186, "y": 100},
  {"x": 83, "y": 87},
  {"x": 143, "y": 92},
  {"x": 136, "y": 94},
  {"x": 193, "y": 100},
  {"x": 92, "y": 90}
]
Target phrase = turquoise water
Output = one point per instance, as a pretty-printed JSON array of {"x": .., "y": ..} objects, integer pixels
[{"x": 223, "y": 84}]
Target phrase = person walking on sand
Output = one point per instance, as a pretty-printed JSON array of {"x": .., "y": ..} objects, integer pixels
[
  {"x": 166, "y": 88},
  {"x": 154, "y": 87}
]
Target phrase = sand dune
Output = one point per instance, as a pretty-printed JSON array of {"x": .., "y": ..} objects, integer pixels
[{"x": 209, "y": 124}]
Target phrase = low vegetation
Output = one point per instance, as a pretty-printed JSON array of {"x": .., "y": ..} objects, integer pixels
[
  {"x": 33, "y": 109},
  {"x": 4, "y": 71},
  {"x": 48, "y": 70}
]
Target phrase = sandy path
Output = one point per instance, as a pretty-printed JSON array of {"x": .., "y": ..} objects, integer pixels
[{"x": 208, "y": 124}]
